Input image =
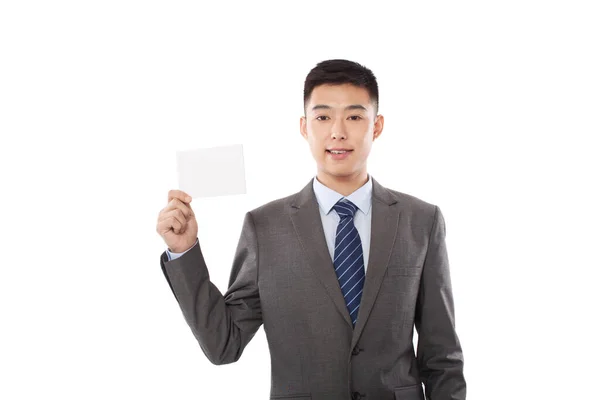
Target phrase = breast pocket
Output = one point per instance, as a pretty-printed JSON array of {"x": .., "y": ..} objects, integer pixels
[
  {"x": 399, "y": 270},
  {"x": 400, "y": 290}
]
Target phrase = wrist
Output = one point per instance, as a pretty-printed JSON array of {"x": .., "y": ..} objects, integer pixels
[{"x": 181, "y": 249}]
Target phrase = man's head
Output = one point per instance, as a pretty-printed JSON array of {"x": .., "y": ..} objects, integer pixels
[{"x": 341, "y": 101}]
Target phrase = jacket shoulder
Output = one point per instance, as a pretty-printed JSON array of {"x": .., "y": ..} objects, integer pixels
[
  {"x": 412, "y": 201},
  {"x": 419, "y": 211},
  {"x": 272, "y": 209}
]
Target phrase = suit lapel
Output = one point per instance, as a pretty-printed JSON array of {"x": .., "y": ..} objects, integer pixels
[
  {"x": 305, "y": 216},
  {"x": 384, "y": 225},
  {"x": 304, "y": 212}
]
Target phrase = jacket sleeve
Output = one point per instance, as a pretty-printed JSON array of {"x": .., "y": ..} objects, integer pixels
[
  {"x": 439, "y": 353},
  {"x": 222, "y": 324}
]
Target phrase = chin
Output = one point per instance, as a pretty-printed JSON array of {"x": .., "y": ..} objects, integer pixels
[{"x": 339, "y": 172}]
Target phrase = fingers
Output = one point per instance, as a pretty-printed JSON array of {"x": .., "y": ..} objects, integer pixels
[
  {"x": 170, "y": 223},
  {"x": 176, "y": 204},
  {"x": 176, "y": 214},
  {"x": 180, "y": 195},
  {"x": 172, "y": 219}
]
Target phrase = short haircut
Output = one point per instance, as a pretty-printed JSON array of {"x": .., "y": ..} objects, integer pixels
[{"x": 338, "y": 72}]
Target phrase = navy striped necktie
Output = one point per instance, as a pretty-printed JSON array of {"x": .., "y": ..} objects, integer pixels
[{"x": 348, "y": 257}]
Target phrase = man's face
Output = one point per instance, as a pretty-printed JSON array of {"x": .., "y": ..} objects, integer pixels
[{"x": 340, "y": 117}]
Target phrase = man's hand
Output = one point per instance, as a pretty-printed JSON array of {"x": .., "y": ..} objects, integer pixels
[{"x": 177, "y": 222}]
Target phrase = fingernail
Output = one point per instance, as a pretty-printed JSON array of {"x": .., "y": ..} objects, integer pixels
[{"x": 188, "y": 199}]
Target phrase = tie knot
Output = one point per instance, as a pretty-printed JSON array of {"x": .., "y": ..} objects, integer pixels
[{"x": 345, "y": 208}]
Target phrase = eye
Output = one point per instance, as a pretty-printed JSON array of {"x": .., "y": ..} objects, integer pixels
[
  {"x": 356, "y": 117},
  {"x": 322, "y": 116}
]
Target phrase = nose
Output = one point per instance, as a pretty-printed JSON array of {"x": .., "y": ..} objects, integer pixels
[{"x": 338, "y": 131}]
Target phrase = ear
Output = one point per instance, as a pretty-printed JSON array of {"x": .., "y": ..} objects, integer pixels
[
  {"x": 303, "y": 131},
  {"x": 378, "y": 126}
]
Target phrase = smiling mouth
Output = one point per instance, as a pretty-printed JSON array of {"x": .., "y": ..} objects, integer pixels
[{"x": 338, "y": 151}]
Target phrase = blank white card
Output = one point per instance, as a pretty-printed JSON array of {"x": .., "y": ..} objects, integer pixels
[{"x": 209, "y": 172}]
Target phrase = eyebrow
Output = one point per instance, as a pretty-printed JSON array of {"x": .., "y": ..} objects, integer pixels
[{"x": 350, "y": 107}]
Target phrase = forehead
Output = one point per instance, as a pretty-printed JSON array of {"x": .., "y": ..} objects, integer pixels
[{"x": 339, "y": 96}]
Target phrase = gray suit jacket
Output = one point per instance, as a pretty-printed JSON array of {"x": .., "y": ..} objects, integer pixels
[{"x": 283, "y": 277}]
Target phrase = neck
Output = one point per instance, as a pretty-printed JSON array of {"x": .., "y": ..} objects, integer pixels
[{"x": 344, "y": 185}]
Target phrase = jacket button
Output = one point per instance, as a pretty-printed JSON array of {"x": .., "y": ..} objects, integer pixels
[
  {"x": 356, "y": 396},
  {"x": 356, "y": 350}
]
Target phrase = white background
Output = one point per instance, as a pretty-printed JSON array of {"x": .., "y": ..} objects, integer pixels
[{"x": 491, "y": 111}]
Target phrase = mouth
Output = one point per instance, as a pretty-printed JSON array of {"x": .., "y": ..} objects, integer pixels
[
  {"x": 338, "y": 151},
  {"x": 338, "y": 154}
]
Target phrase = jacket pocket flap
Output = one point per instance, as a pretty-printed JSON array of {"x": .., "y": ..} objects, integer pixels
[
  {"x": 414, "y": 392},
  {"x": 404, "y": 271}
]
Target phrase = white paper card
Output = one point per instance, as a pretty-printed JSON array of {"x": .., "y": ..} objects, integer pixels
[{"x": 209, "y": 172}]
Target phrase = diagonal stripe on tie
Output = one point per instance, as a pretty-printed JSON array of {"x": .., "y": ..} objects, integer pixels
[{"x": 348, "y": 258}]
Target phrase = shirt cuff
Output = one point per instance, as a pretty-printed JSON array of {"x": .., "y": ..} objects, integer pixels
[{"x": 172, "y": 255}]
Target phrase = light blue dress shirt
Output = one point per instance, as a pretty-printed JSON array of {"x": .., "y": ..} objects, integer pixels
[
  {"x": 362, "y": 198},
  {"x": 327, "y": 198}
]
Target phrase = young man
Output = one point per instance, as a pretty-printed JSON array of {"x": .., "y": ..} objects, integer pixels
[{"x": 338, "y": 273}]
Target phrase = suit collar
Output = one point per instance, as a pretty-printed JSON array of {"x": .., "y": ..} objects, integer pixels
[
  {"x": 327, "y": 197},
  {"x": 307, "y": 195}
]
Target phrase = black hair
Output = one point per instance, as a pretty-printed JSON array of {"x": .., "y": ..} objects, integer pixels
[{"x": 338, "y": 72}]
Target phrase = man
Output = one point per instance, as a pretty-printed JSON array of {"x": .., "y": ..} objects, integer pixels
[{"x": 338, "y": 273}]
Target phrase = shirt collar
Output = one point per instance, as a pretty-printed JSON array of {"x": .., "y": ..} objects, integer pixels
[{"x": 327, "y": 197}]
